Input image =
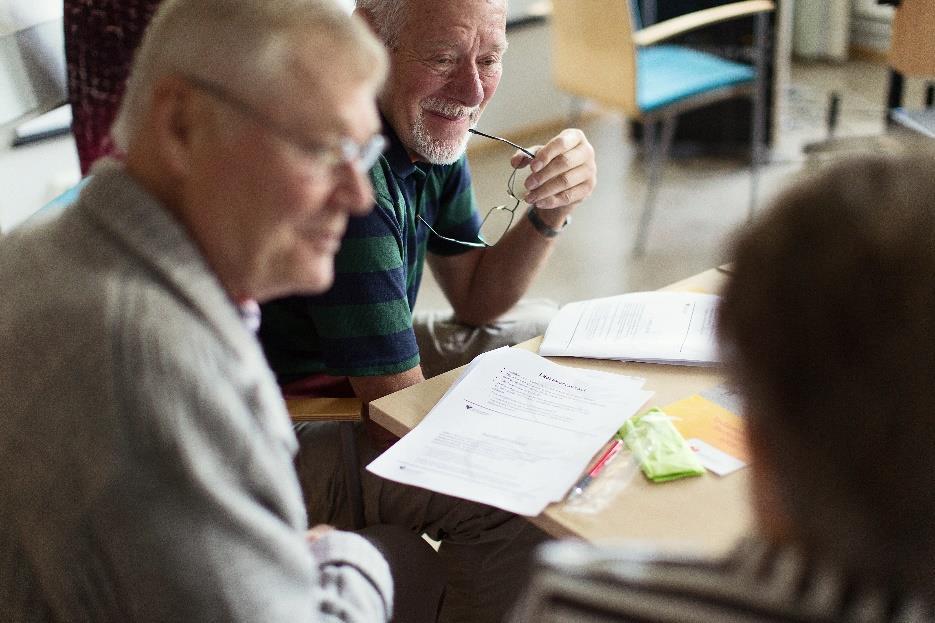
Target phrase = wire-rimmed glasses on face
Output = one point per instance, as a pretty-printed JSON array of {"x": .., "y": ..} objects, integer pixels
[
  {"x": 498, "y": 219},
  {"x": 344, "y": 150}
]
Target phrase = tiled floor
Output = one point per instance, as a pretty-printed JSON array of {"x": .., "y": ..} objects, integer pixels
[{"x": 701, "y": 201}]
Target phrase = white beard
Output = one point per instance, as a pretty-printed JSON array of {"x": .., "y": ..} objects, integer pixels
[{"x": 438, "y": 151}]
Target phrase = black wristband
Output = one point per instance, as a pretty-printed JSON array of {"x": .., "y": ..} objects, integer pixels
[{"x": 541, "y": 227}]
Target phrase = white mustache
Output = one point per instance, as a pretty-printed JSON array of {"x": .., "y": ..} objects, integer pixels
[{"x": 451, "y": 109}]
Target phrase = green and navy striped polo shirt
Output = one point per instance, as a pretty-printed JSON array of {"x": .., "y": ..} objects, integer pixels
[{"x": 363, "y": 325}]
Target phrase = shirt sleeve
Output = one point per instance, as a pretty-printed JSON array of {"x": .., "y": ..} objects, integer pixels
[
  {"x": 204, "y": 519},
  {"x": 364, "y": 322},
  {"x": 362, "y": 326},
  {"x": 346, "y": 577}
]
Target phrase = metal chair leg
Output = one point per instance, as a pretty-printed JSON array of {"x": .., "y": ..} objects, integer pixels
[
  {"x": 894, "y": 96},
  {"x": 648, "y": 12},
  {"x": 658, "y": 155},
  {"x": 355, "y": 492},
  {"x": 758, "y": 131}
]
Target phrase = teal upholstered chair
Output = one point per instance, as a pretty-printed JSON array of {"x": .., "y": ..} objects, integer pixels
[{"x": 600, "y": 53}]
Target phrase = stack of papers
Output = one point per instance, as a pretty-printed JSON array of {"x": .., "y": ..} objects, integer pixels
[
  {"x": 656, "y": 327},
  {"x": 516, "y": 431}
]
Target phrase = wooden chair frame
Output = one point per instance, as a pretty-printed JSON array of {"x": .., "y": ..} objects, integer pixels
[
  {"x": 598, "y": 61},
  {"x": 347, "y": 412}
]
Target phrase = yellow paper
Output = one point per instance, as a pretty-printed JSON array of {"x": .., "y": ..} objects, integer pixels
[{"x": 697, "y": 417}]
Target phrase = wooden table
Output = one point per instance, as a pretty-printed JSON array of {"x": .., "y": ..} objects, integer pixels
[{"x": 706, "y": 514}]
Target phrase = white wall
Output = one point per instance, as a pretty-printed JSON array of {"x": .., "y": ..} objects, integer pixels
[
  {"x": 826, "y": 29},
  {"x": 17, "y": 92},
  {"x": 16, "y": 96},
  {"x": 822, "y": 29},
  {"x": 526, "y": 97},
  {"x": 870, "y": 25},
  {"x": 32, "y": 175}
]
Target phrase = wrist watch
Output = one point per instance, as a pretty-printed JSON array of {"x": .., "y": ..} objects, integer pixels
[{"x": 541, "y": 226}]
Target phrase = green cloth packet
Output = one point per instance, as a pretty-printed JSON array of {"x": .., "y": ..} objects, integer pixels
[{"x": 659, "y": 448}]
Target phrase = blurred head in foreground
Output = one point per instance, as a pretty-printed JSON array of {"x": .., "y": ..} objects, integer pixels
[
  {"x": 828, "y": 334},
  {"x": 255, "y": 124}
]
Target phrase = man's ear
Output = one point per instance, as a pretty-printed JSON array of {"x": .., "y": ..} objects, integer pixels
[
  {"x": 367, "y": 17},
  {"x": 174, "y": 117}
]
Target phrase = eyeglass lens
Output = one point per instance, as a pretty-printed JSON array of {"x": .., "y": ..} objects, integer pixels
[
  {"x": 362, "y": 156},
  {"x": 499, "y": 218},
  {"x": 516, "y": 184},
  {"x": 496, "y": 224},
  {"x": 346, "y": 150}
]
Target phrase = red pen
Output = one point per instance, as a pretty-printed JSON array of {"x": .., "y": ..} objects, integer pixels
[{"x": 609, "y": 453}]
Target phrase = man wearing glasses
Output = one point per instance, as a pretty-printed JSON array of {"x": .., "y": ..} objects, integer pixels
[
  {"x": 360, "y": 338},
  {"x": 147, "y": 454}
]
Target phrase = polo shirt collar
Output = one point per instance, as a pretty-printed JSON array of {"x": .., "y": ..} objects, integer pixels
[{"x": 397, "y": 156}]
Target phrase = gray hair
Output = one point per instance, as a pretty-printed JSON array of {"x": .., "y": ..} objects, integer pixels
[
  {"x": 389, "y": 17},
  {"x": 243, "y": 44}
]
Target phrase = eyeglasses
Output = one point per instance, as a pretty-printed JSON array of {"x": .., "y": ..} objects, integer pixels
[
  {"x": 342, "y": 151},
  {"x": 498, "y": 219}
]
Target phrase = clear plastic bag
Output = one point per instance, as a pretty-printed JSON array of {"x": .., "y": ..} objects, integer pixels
[{"x": 604, "y": 488}]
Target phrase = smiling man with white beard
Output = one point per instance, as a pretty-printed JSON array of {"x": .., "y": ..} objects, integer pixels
[{"x": 361, "y": 338}]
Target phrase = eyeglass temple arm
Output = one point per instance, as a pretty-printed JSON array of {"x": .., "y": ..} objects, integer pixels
[
  {"x": 483, "y": 244},
  {"x": 502, "y": 140}
]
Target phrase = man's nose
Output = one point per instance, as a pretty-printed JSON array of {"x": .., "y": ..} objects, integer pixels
[
  {"x": 465, "y": 85},
  {"x": 353, "y": 191}
]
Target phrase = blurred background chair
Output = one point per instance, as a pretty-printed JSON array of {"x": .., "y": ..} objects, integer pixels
[
  {"x": 600, "y": 53},
  {"x": 100, "y": 38},
  {"x": 912, "y": 55}
]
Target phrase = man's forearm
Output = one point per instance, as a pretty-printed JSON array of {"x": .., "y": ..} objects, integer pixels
[
  {"x": 482, "y": 285},
  {"x": 504, "y": 272},
  {"x": 369, "y": 388}
]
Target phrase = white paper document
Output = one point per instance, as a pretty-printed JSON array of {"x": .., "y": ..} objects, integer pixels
[
  {"x": 515, "y": 432},
  {"x": 658, "y": 327}
]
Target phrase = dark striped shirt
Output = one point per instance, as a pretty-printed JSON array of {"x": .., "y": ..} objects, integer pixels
[
  {"x": 757, "y": 582},
  {"x": 363, "y": 325}
]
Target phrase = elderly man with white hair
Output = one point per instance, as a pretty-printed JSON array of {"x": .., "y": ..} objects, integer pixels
[
  {"x": 361, "y": 338},
  {"x": 147, "y": 453}
]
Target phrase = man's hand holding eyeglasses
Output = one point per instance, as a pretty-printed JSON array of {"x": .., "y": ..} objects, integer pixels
[{"x": 564, "y": 172}]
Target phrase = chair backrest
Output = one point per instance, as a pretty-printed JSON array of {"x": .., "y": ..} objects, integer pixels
[
  {"x": 593, "y": 54},
  {"x": 912, "y": 52}
]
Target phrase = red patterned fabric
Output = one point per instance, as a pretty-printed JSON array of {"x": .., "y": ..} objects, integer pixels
[
  {"x": 319, "y": 386},
  {"x": 100, "y": 38}
]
